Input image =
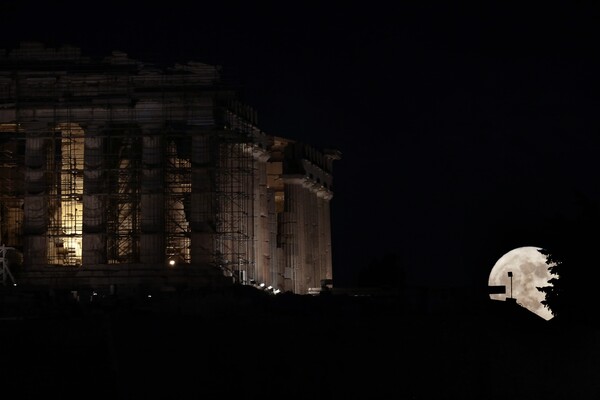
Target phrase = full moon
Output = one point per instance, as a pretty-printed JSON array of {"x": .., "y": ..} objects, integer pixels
[{"x": 529, "y": 271}]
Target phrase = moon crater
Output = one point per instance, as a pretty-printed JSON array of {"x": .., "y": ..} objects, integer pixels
[{"x": 530, "y": 271}]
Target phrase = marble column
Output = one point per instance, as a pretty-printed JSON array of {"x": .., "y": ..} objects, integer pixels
[
  {"x": 35, "y": 202},
  {"x": 152, "y": 221},
  {"x": 276, "y": 266},
  {"x": 292, "y": 240},
  {"x": 312, "y": 249},
  {"x": 202, "y": 204},
  {"x": 94, "y": 197},
  {"x": 261, "y": 218},
  {"x": 324, "y": 197}
]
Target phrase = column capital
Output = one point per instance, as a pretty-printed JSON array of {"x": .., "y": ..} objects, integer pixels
[
  {"x": 293, "y": 179},
  {"x": 260, "y": 154},
  {"x": 324, "y": 193},
  {"x": 317, "y": 188}
]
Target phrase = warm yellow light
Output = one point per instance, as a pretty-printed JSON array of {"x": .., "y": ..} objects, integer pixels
[
  {"x": 10, "y": 127},
  {"x": 171, "y": 262},
  {"x": 71, "y": 186}
]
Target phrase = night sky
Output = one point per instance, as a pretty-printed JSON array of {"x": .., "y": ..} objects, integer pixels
[{"x": 463, "y": 130}]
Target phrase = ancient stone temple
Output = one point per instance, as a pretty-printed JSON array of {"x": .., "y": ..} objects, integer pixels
[{"x": 119, "y": 173}]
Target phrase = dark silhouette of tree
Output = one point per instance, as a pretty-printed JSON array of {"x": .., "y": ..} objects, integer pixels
[{"x": 572, "y": 256}]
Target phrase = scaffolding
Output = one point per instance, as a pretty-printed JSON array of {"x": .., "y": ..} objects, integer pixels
[
  {"x": 123, "y": 202},
  {"x": 235, "y": 219},
  {"x": 108, "y": 162},
  {"x": 65, "y": 169},
  {"x": 11, "y": 184},
  {"x": 178, "y": 185},
  {"x": 114, "y": 162}
]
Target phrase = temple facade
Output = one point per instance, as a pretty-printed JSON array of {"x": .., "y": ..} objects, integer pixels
[{"x": 119, "y": 173}]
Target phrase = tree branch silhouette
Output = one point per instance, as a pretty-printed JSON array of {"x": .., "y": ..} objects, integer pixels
[{"x": 572, "y": 256}]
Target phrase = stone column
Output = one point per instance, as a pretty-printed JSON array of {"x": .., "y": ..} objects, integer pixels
[
  {"x": 202, "y": 218},
  {"x": 94, "y": 198},
  {"x": 152, "y": 222},
  {"x": 323, "y": 203},
  {"x": 247, "y": 212},
  {"x": 260, "y": 217},
  {"x": 312, "y": 276},
  {"x": 291, "y": 232},
  {"x": 326, "y": 194},
  {"x": 276, "y": 268},
  {"x": 35, "y": 202}
]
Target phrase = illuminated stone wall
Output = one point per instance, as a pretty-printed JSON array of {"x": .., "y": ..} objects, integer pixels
[{"x": 116, "y": 172}]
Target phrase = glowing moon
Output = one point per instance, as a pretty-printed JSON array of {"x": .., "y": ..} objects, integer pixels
[{"x": 529, "y": 271}]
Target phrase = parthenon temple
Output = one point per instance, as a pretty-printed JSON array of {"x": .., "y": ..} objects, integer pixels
[{"x": 120, "y": 173}]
